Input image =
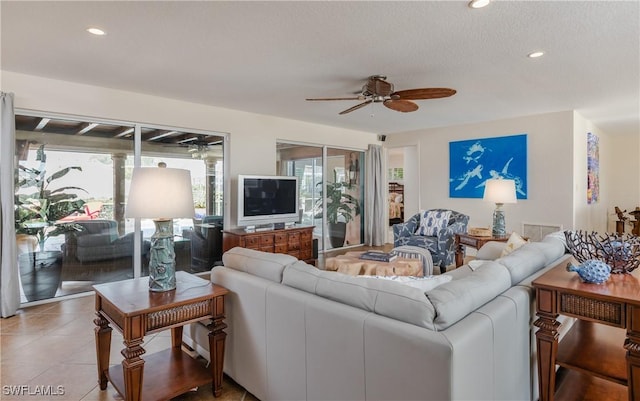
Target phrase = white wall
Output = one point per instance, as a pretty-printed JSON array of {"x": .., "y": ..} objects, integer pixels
[
  {"x": 550, "y": 168},
  {"x": 253, "y": 137},
  {"x": 624, "y": 177}
]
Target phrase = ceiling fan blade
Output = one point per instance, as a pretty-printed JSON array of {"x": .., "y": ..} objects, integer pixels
[
  {"x": 423, "y": 93},
  {"x": 401, "y": 105},
  {"x": 336, "y": 98},
  {"x": 356, "y": 107}
]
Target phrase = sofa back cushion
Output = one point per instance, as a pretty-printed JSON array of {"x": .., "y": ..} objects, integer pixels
[
  {"x": 302, "y": 276},
  {"x": 262, "y": 264},
  {"x": 383, "y": 297},
  {"x": 456, "y": 299},
  {"x": 98, "y": 226},
  {"x": 523, "y": 262},
  {"x": 491, "y": 250}
]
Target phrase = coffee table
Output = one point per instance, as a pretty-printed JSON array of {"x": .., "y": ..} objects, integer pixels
[
  {"x": 135, "y": 311},
  {"x": 350, "y": 263}
]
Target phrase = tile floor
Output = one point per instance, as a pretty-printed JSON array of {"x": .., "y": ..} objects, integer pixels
[{"x": 46, "y": 346}]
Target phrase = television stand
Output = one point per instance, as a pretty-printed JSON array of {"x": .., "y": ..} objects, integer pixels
[
  {"x": 258, "y": 227},
  {"x": 296, "y": 241}
]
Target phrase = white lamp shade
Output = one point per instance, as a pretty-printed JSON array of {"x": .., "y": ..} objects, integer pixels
[
  {"x": 500, "y": 191},
  {"x": 158, "y": 193}
]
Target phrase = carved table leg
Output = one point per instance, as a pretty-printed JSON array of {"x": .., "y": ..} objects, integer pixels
[
  {"x": 459, "y": 253},
  {"x": 103, "y": 348},
  {"x": 176, "y": 337},
  {"x": 632, "y": 345},
  {"x": 547, "y": 350},
  {"x": 133, "y": 368},
  {"x": 217, "y": 338}
]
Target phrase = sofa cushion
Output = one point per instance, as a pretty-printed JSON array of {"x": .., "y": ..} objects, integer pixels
[
  {"x": 550, "y": 247},
  {"x": 94, "y": 240},
  {"x": 426, "y": 283},
  {"x": 432, "y": 221},
  {"x": 558, "y": 236},
  {"x": 522, "y": 263},
  {"x": 456, "y": 299},
  {"x": 262, "y": 264},
  {"x": 383, "y": 297},
  {"x": 302, "y": 276},
  {"x": 492, "y": 250}
]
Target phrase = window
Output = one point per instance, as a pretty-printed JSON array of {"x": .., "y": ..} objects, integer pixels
[
  {"x": 344, "y": 185},
  {"x": 72, "y": 183}
]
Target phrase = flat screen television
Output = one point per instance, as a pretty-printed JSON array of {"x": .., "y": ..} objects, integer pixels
[{"x": 267, "y": 200}]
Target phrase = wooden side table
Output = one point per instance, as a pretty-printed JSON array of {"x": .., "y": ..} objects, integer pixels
[
  {"x": 592, "y": 358},
  {"x": 474, "y": 242},
  {"x": 135, "y": 311}
]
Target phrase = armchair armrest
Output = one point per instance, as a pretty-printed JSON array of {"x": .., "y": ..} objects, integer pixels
[
  {"x": 446, "y": 237},
  {"x": 405, "y": 229}
]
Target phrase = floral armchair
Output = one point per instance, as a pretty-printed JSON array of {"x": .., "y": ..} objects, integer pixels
[{"x": 433, "y": 230}]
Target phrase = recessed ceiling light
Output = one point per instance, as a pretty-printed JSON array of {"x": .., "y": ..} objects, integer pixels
[
  {"x": 535, "y": 54},
  {"x": 479, "y": 3},
  {"x": 96, "y": 31}
]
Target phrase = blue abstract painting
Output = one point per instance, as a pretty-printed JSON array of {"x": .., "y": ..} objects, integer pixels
[
  {"x": 593, "y": 168},
  {"x": 474, "y": 161}
]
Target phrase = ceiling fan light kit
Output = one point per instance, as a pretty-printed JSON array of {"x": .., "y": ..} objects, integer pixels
[{"x": 378, "y": 90}]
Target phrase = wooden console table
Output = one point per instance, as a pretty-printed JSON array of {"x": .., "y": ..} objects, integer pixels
[
  {"x": 591, "y": 356},
  {"x": 296, "y": 241},
  {"x": 135, "y": 311},
  {"x": 474, "y": 242}
]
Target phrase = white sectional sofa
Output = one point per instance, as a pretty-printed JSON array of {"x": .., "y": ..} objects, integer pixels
[{"x": 299, "y": 333}]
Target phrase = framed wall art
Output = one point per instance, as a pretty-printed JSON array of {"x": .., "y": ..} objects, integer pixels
[
  {"x": 593, "y": 168},
  {"x": 472, "y": 162}
]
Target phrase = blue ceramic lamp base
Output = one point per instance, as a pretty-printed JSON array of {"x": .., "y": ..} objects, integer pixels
[
  {"x": 162, "y": 261},
  {"x": 499, "y": 225}
]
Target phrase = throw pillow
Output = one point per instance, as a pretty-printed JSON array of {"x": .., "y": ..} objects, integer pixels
[
  {"x": 432, "y": 221},
  {"x": 515, "y": 241}
]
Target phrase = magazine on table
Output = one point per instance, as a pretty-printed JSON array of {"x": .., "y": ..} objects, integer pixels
[{"x": 379, "y": 256}]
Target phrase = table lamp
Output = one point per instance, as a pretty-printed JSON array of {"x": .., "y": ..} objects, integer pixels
[
  {"x": 161, "y": 194},
  {"x": 499, "y": 191}
]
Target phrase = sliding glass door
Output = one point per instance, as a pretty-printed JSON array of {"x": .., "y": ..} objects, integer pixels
[
  {"x": 72, "y": 181},
  {"x": 331, "y": 191}
]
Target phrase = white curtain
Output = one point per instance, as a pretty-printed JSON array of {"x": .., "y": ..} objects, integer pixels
[
  {"x": 374, "y": 211},
  {"x": 9, "y": 284}
]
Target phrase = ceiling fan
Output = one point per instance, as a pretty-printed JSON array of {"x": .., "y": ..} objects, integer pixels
[
  {"x": 378, "y": 90},
  {"x": 200, "y": 145}
]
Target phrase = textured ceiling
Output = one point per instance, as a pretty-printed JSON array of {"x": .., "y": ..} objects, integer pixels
[{"x": 267, "y": 57}]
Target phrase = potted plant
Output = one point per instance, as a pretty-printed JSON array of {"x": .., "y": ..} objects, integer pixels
[
  {"x": 341, "y": 209},
  {"x": 37, "y": 211}
]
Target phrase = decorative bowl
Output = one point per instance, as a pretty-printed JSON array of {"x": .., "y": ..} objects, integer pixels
[{"x": 620, "y": 251}]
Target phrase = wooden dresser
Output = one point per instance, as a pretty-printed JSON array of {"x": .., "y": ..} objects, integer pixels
[{"x": 296, "y": 241}]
